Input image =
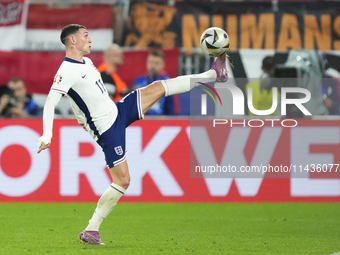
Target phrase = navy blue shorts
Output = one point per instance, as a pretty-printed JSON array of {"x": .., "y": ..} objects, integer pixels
[{"x": 112, "y": 141}]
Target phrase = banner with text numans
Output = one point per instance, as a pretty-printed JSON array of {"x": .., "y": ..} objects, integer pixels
[
  {"x": 164, "y": 164},
  {"x": 288, "y": 25}
]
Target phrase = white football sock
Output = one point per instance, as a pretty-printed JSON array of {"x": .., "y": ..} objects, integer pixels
[
  {"x": 105, "y": 205},
  {"x": 181, "y": 84}
]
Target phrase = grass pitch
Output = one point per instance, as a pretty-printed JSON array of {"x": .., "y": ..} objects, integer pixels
[{"x": 173, "y": 229}]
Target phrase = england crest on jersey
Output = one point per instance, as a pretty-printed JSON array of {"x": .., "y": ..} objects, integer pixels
[{"x": 119, "y": 150}]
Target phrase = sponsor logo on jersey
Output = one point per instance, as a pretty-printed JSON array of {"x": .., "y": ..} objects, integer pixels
[
  {"x": 83, "y": 76},
  {"x": 57, "y": 79},
  {"x": 119, "y": 150}
]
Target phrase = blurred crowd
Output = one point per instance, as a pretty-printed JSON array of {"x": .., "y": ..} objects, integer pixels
[
  {"x": 311, "y": 72},
  {"x": 305, "y": 69},
  {"x": 15, "y": 102}
]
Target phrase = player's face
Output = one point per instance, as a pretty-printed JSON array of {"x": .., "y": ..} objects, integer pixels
[{"x": 83, "y": 41}]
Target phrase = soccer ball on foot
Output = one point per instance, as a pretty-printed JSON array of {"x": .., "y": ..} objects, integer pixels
[{"x": 214, "y": 42}]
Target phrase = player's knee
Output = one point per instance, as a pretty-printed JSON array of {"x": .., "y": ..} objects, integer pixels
[
  {"x": 121, "y": 179},
  {"x": 125, "y": 183}
]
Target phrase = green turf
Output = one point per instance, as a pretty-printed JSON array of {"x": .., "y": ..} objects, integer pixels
[{"x": 173, "y": 229}]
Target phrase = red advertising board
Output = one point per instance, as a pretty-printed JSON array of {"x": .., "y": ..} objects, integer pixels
[
  {"x": 29, "y": 66},
  {"x": 73, "y": 169}
]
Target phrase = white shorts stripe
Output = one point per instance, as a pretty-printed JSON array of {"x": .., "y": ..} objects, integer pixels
[
  {"x": 139, "y": 104},
  {"x": 121, "y": 160}
]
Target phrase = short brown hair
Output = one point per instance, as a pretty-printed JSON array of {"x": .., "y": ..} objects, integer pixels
[
  {"x": 15, "y": 80},
  {"x": 157, "y": 53},
  {"x": 69, "y": 30}
]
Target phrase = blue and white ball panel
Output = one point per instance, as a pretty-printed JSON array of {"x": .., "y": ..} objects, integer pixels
[{"x": 113, "y": 140}]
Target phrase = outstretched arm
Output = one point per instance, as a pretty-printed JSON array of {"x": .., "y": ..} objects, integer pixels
[{"x": 51, "y": 102}]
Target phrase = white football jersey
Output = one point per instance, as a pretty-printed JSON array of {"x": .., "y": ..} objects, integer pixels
[{"x": 83, "y": 85}]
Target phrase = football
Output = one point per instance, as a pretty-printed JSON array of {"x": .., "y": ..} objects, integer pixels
[{"x": 214, "y": 42}]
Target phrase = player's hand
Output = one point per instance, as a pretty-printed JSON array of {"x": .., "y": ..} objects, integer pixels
[
  {"x": 83, "y": 125},
  {"x": 43, "y": 147},
  {"x": 43, "y": 143}
]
